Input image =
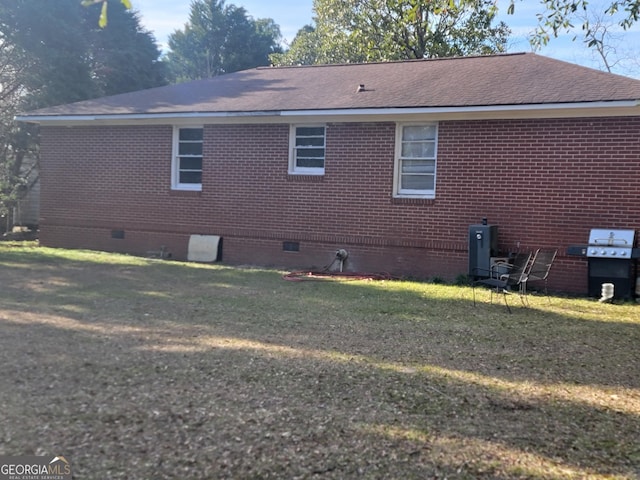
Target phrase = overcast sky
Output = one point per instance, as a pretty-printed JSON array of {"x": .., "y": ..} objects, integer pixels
[{"x": 163, "y": 17}]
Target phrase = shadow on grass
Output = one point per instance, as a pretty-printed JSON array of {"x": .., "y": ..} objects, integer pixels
[{"x": 236, "y": 373}]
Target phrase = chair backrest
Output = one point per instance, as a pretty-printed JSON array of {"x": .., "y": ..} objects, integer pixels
[
  {"x": 520, "y": 269},
  {"x": 541, "y": 264}
]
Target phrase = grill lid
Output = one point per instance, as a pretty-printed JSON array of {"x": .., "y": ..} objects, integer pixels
[{"x": 608, "y": 243}]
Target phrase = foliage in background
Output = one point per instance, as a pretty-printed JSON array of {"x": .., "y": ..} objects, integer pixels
[
  {"x": 53, "y": 52},
  {"x": 560, "y": 15},
  {"x": 102, "y": 20},
  {"x": 14, "y": 142},
  {"x": 606, "y": 41},
  {"x": 383, "y": 30},
  {"x": 220, "y": 39},
  {"x": 71, "y": 59}
]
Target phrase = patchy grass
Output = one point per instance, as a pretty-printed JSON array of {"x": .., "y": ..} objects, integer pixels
[{"x": 136, "y": 368}]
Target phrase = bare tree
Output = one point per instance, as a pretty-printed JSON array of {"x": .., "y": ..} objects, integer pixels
[{"x": 606, "y": 38}]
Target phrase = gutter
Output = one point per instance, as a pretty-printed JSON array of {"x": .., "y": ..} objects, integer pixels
[
  {"x": 621, "y": 107},
  {"x": 136, "y": 116}
]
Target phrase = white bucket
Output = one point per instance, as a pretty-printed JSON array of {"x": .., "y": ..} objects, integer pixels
[{"x": 607, "y": 292}]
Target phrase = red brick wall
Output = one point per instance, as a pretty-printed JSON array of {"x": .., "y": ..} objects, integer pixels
[{"x": 545, "y": 183}]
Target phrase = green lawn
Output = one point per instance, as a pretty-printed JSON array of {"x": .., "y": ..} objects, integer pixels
[{"x": 145, "y": 369}]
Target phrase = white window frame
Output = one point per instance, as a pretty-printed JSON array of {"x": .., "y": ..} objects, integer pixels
[
  {"x": 175, "y": 160},
  {"x": 398, "y": 191},
  {"x": 293, "y": 167}
]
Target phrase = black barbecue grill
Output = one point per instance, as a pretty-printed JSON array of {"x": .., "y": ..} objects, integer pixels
[{"x": 612, "y": 259}]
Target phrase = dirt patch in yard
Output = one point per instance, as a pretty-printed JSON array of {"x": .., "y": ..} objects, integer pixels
[{"x": 134, "y": 368}]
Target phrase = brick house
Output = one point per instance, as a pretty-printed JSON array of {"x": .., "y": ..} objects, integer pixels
[{"x": 390, "y": 161}]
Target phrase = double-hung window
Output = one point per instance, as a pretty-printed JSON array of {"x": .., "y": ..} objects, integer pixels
[
  {"x": 187, "y": 158},
  {"x": 307, "y": 149},
  {"x": 416, "y": 147}
]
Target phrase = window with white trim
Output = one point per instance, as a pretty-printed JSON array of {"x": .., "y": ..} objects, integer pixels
[
  {"x": 186, "y": 169},
  {"x": 307, "y": 149},
  {"x": 415, "y": 169}
]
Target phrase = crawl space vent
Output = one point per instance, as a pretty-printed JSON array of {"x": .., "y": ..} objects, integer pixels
[{"x": 203, "y": 248}]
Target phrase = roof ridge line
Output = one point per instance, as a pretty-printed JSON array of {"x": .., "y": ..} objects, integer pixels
[{"x": 384, "y": 62}]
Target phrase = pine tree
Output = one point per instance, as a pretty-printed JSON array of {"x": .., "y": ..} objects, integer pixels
[{"x": 220, "y": 39}]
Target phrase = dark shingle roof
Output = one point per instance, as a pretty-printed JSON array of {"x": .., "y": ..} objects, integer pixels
[{"x": 510, "y": 79}]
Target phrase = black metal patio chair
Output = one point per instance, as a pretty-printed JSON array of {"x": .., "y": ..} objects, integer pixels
[
  {"x": 506, "y": 278},
  {"x": 540, "y": 267}
]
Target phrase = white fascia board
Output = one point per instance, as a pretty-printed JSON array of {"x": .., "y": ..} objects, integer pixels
[
  {"x": 136, "y": 117},
  {"x": 625, "y": 108},
  {"x": 583, "y": 109},
  {"x": 468, "y": 109}
]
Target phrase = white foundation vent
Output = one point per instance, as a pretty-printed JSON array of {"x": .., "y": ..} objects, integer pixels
[{"x": 203, "y": 248}]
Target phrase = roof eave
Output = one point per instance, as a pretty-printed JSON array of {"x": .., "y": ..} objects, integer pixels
[
  {"x": 137, "y": 117},
  {"x": 546, "y": 110}
]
